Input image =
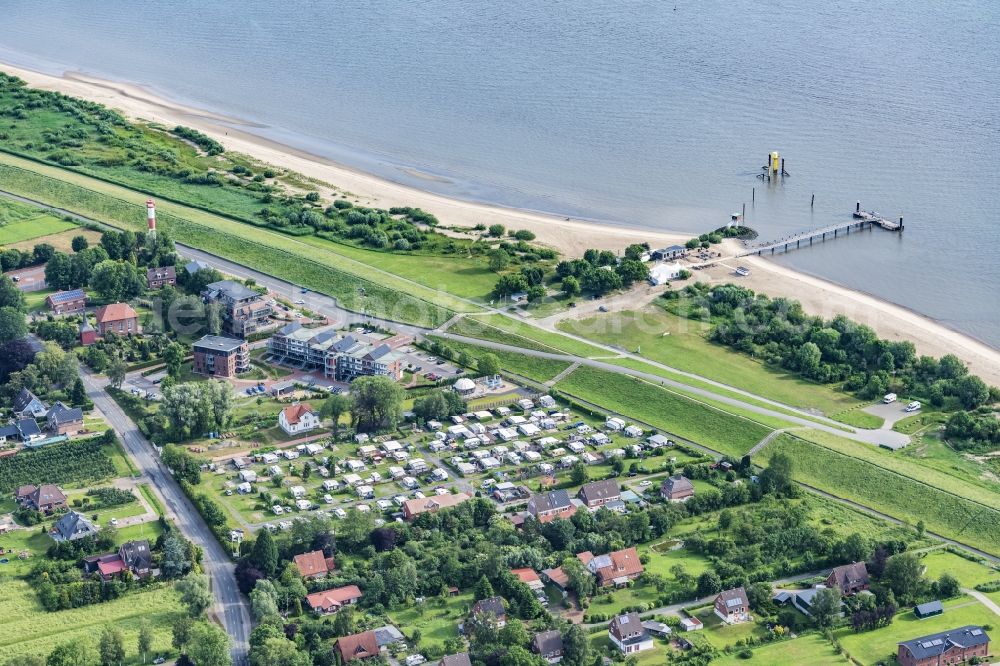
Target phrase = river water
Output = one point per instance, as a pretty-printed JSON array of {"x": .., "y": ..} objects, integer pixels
[{"x": 650, "y": 113}]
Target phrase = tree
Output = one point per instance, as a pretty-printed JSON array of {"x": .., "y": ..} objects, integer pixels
[
  {"x": 144, "y": 641},
  {"x": 483, "y": 589},
  {"x": 25, "y": 660},
  {"x": 12, "y": 324},
  {"x": 509, "y": 284},
  {"x": 264, "y": 600},
  {"x": 431, "y": 406},
  {"x": 499, "y": 260},
  {"x": 209, "y": 646},
  {"x": 181, "y": 632},
  {"x": 578, "y": 578},
  {"x": 116, "y": 371},
  {"x": 496, "y": 230},
  {"x": 265, "y": 553},
  {"x": 578, "y": 473},
  {"x": 116, "y": 280},
  {"x": 195, "y": 593},
  {"x": 903, "y": 576},
  {"x": 709, "y": 583},
  {"x": 175, "y": 562},
  {"x": 10, "y": 295},
  {"x": 948, "y": 586},
  {"x": 79, "y": 243},
  {"x": 488, "y": 364},
  {"x": 570, "y": 286},
  {"x": 777, "y": 477},
  {"x": 111, "y": 647},
  {"x": 173, "y": 356},
  {"x": 633, "y": 270},
  {"x": 336, "y": 406},
  {"x": 278, "y": 651},
  {"x": 971, "y": 391},
  {"x": 576, "y": 647},
  {"x": 536, "y": 293},
  {"x": 826, "y": 606},
  {"x": 213, "y": 317},
  {"x": 71, "y": 654},
  {"x": 78, "y": 393},
  {"x": 376, "y": 403},
  {"x": 193, "y": 408}
]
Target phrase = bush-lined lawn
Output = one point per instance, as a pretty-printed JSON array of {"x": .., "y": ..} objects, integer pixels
[
  {"x": 37, "y": 227},
  {"x": 436, "y": 619},
  {"x": 811, "y": 649}
]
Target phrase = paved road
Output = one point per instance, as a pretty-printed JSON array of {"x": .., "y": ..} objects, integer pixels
[
  {"x": 983, "y": 599},
  {"x": 866, "y": 436},
  {"x": 231, "y": 606}
]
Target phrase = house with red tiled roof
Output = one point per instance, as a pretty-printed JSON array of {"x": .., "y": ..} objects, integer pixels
[
  {"x": 357, "y": 646},
  {"x": 616, "y": 568},
  {"x": 849, "y": 578},
  {"x": 298, "y": 418},
  {"x": 529, "y": 577},
  {"x": 331, "y": 601},
  {"x": 314, "y": 564},
  {"x": 117, "y": 318}
]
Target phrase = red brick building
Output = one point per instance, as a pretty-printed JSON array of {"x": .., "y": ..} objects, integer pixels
[
  {"x": 955, "y": 646},
  {"x": 217, "y": 356},
  {"x": 849, "y": 579},
  {"x": 158, "y": 277},
  {"x": 67, "y": 302},
  {"x": 117, "y": 318}
]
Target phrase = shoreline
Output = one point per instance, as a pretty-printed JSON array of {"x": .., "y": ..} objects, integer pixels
[{"x": 570, "y": 236}]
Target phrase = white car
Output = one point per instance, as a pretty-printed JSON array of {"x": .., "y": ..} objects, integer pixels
[
  {"x": 415, "y": 660},
  {"x": 299, "y": 301},
  {"x": 912, "y": 407},
  {"x": 645, "y": 483}
]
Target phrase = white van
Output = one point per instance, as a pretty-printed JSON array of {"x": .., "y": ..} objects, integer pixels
[
  {"x": 913, "y": 406},
  {"x": 889, "y": 398}
]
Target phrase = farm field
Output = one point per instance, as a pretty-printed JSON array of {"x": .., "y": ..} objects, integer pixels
[
  {"x": 61, "y": 241},
  {"x": 33, "y": 229},
  {"x": 892, "y": 492},
  {"x": 968, "y": 573},
  {"x": 287, "y": 257},
  {"x": 681, "y": 344},
  {"x": 26, "y": 628},
  {"x": 810, "y": 649},
  {"x": 662, "y": 409},
  {"x": 870, "y": 647}
]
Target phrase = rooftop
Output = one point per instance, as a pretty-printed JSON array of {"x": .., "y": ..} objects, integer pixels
[{"x": 218, "y": 343}]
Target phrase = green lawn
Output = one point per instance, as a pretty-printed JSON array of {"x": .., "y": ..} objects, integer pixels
[
  {"x": 968, "y": 573},
  {"x": 901, "y": 496},
  {"x": 501, "y": 328},
  {"x": 681, "y": 343},
  {"x": 871, "y": 646},
  {"x": 810, "y": 649},
  {"x": 626, "y": 597},
  {"x": 26, "y": 628},
  {"x": 721, "y": 635},
  {"x": 664, "y": 409},
  {"x": 537, "y": 369},
  {"x": 437, "y": 619},
  {"x": 41, "y": 225}
]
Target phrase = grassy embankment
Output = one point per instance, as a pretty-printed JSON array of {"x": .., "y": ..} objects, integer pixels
[
  {"x": 321, "y": 269},
  {"x": 19, "y": 222},
  {"x": 907, "y": 491}
]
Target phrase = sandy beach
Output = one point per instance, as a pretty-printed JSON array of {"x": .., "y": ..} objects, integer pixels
[{"x": 569, "y": 236}]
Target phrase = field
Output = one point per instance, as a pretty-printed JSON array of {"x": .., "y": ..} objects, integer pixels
[
  {"x": 61, "y": 241},
  {"x": 357, "y": 285},
  {"x": 968, "y": 573},
  {"x": 34, "y": 228},
  {"x": 665, "y": 410},
  {"x": 871, "y": 646},
  {"x": 810, "y": 649},
  {"x": 437, "y": 620},
  {"x": 681, "y": 343},
  {"x": 68, "y": 463},
  {"x": 499, "y": 328},
  {"x": 537, "y": 369},
  {"x": 26, "y": 628},
  {"x": 892, "y": 492}
]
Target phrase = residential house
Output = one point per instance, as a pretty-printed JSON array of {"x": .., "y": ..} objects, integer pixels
[
  {"x": 46, "y": 498},
  {"x": 732, "y": 606},
  {"x": 63, "y": 420},
  {"x": 341, "y": 357},
  {"x": 849, "y": 578},
  {"x": 137, "y": 557},
  {"x": 161, "y": 276},
  {"x": 548, "y": 506},
  {"x": 331, "y": 601},
  {"x": 672, "y": 252},
  {"x": 73, "y": 301},
  {"x": 549, "y": 645},
  {"x": 117, "y": 318},
  {"x": 492, "y": 606},
  {"x": 529, "y": 577},
  {"x": 558, "y": 578},
  {"x": 415, "y": 507},
  {"x": 298, "y": 418},
  {"x": 598, "y": 493},
  {"x": 23, "y": 430},
  {"x": 677, "y": 489},
  {"x": 73, "y": 526},
  {"x": 357, "y": 646},
  {"x": 313, "y": 564},
  {"x": 955, "y": 646},
  {"x": 27, "y": 405},
  {"x": 460, "y": 659},
  {"x": 616, "y": 568},
  {"x": 244, "y": 311},
  {"x": 628, "y": 634},
  {"x": 193, "y": 267},
  {"x": 218, "y": 356}
]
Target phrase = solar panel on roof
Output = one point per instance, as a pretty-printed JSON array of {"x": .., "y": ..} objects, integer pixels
[
  {"x": 937, "y": 641},
  {"x": 977, "y": 632}
]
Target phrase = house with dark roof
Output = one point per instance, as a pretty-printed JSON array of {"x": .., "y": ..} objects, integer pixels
[
  {"x": 628, "y": 634},
  {"x": 73, "y": 526},
  {"x": 313, "y": 564},
  {"x": 137, "y": 557},
  {"x": 193, "y": 267},
  {"x": 357, "y": 646},
  {"x": 548, "y": 506},
  {"x": 63, "y": 420},
  {"x": 849, "y": 578},
  {"x": 598, "y": 493},
  {"x": 47, "y": 498},
  {"x": 331, "y": 601},
  {"x": 161, "y": 276},
  {"x": 492, "y": 606},
  {"x": 23, "y": 430},
  {"x": 955, "y": 646},
  {"x": 244, "y": 311},
  {"x": 460, "y": 659},
  {"x": 27, "y": 404},
  {"x": 67, "y": 302},
  {"x": 677, "y": 489},
  {"x": 117, "y": 318},
  {"x": 732, "y": 606},
  {"x": 929, "y": 609},
  {"x": 549, "y": 645},
  {"x": 616, "y": 568}
]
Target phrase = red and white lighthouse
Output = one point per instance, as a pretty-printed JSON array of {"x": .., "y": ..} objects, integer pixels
[{"x": 151, "y": 216}]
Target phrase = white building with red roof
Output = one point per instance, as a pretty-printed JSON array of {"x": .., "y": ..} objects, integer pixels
[{"x": 298, "y": 418}]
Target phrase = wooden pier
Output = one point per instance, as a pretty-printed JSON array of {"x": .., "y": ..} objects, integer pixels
[{"x": 861, "y": 221}]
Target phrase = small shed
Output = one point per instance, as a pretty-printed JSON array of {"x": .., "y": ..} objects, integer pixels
[{"x": 929, "y": 609}]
